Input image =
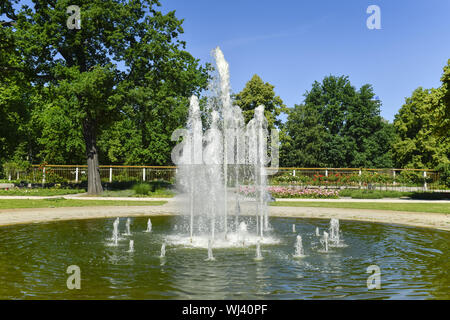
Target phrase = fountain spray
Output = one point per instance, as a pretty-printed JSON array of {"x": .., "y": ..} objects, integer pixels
[
  {"x": 210, "y": 253},
  {"x": 299, "y": 253},
  {"x": 128, "y": 232},
  {"x": 149, "y": 225},
  {"x": 258, "y": 251},
  {"x": 116, "y": 231},
  {"x": 325, "y": 240},
  {"x": 131, "y": 249}
]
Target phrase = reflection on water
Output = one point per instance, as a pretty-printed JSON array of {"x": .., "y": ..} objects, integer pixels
[{"x": 414, "y": 263}]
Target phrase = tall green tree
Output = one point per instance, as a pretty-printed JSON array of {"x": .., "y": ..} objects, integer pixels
[
  {"x": 255, "y": 93},
  {"x": 422, "y": 126},
  {"x": 76, "y": 72},
  {"x": 337, "y": 126},
  {"x": 16, "y": 93},
  {"x": 302, "y": 138}
]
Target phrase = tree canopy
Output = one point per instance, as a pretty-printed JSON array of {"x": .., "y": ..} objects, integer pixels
[
  {"x": 83, "y": 92},
  {"x": 256, "y": 93},
  {"x": 337, "y": 126},
  {"x": 423, "y": 125}
]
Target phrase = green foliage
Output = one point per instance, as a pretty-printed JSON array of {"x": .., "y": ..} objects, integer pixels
[
  {"x": 337, "y": 126},
  {"x": 62, "y": 96},
  {"x": 142, "y": 188},
  {"x": 289, "y": 179},
  {"x": 422, "y": 126},
  {"x": 256, "y": 93},
  {"x": 444, "y": 173},
  {"x": 40, "y": 192},
  {"x": 372, "y": 194}
]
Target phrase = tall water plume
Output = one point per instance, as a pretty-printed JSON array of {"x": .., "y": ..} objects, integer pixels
[{"x": 219, "y": 155}]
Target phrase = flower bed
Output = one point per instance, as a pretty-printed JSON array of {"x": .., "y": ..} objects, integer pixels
[{"x": 292, "y": 192}]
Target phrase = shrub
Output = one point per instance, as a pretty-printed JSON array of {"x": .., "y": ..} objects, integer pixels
[
  {"x": 444, "y": 173},
  {"x": 142, "y": 188}
]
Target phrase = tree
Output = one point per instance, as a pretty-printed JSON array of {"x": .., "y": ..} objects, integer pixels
[
  {"x": 256, "y": 93},
  {"x": 337, "y": 126},
  {"x": 15, "y": 94},
  {"x": 302, "y": 138},
  {"x": 422, "y": 126},
  {"x": 76, "y": 73}
]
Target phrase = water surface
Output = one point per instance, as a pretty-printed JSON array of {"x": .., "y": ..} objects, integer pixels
[{"x": 414, "y": 263}]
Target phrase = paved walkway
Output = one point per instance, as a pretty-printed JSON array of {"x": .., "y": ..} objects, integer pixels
[
  {"x": 171, "y": 207},
  {"x": 84, "y": 197}
]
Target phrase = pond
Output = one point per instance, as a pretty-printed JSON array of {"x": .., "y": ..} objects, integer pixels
[{"x": 413, "y": 262}]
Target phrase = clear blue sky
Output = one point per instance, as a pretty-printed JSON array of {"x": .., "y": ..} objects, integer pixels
[{"x": 291, "y": 43}]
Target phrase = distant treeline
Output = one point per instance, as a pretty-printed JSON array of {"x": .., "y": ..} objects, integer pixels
[{"x": 64, "y": 100}]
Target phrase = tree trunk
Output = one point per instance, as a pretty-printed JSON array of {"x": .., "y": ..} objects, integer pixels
[{"x": 90, "y": 139}]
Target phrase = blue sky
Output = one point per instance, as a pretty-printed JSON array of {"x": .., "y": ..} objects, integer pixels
[{"x": 291, "y": 43}]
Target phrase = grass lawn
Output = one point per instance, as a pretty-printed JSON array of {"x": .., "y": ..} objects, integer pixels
[
  {"x": 379, "y": 194},
  {"x": 373, "y": 194},
  {"x": 412, "y": 207},
  {"x": 159, "y": 193},
  {"x": 39, "y": 192},
  {"x": 61, "y": 202}
]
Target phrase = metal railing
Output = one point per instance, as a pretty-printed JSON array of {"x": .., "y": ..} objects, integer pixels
[{"x": 395, "y": 179}]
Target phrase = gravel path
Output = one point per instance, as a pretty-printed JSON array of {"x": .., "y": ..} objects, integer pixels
[{"x": 23, "y": 216}]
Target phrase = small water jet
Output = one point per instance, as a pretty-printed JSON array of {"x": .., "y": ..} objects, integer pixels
[
  {"x": 163, "y": 251},
  {"x": 115, "y": 235},
  {"x": 317, "y": 232},
  {"x": 210, "y": 253},
  {"x": 293, "y": 228},
  {"x": 324, "y": 241},
  {"x": 299, "y": 252},
  {"x": 335, "y": 234},
  {"x": 131, "y": 249},
  {"x": 149, "y": 225},
  {"x": 127, "y": 226},
  {"x": 258, "y": 252}
]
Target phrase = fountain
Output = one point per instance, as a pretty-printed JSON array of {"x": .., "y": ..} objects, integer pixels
[
  {"x": 317, "y": 232},
  {"x": 293, "y": 228},
  {"x": 219, "y": 154},
  {"x": 335, "y": 238},
  {"x": 115, "y": 236},
  {"x": 258, "y": 252},
  {"x": 324, "y": 241},
  {"x": 210, "y": 253},
  {"x": 149, "y": 225},
  {"x": 299, "y": 253},
  {"x": 127, "y": 226},
  {"x": 131, "y": 249},
  {"x": 163, "y": 251}
]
